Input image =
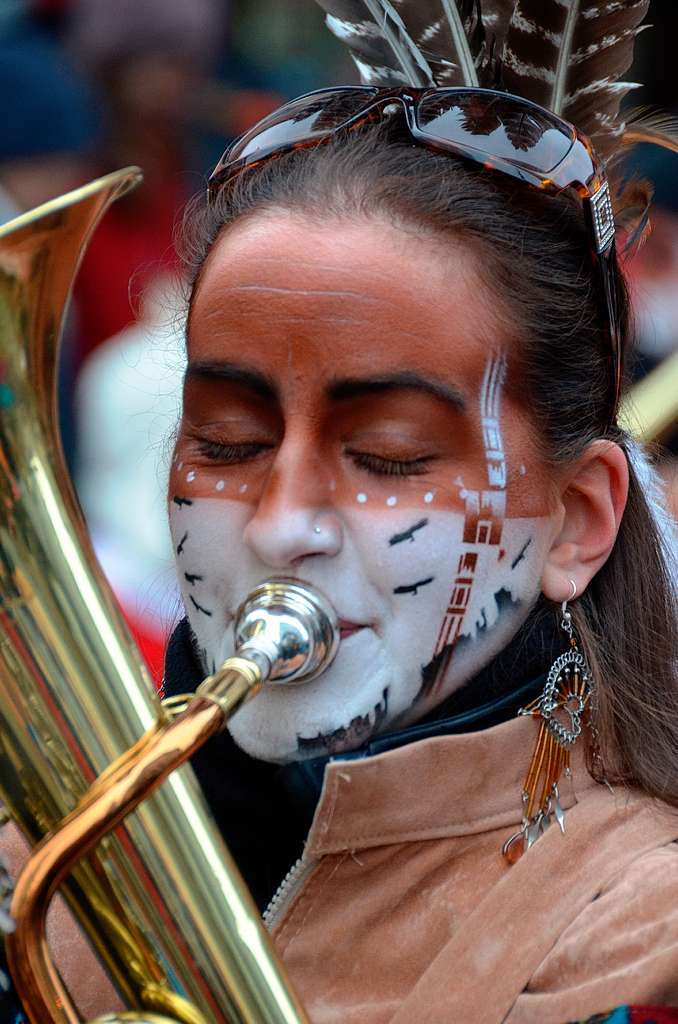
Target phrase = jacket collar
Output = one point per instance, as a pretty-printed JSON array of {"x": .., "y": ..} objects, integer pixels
[
  {"x": 303, "y": 780},
  {"x": 445, "y": 785}
]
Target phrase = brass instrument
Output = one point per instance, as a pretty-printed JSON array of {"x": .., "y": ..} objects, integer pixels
[
  {"x": 83, "y": 737},
  {"x": 84, "y": 740}
]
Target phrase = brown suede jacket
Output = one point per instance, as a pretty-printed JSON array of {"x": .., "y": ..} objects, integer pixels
[{"x": 403, "y": 910}]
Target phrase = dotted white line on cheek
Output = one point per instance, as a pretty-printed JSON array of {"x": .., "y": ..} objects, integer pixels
[
  {"x": 219, "y": 485},
  {"x": 428, "y": 497},
  {"x": 361, "y": 498},
  {"x": 180, "y": 466},
  {"x": 190, "y": 476},
  {"x": 242, "y": 488},
  {"x": 392, "y": 501}
]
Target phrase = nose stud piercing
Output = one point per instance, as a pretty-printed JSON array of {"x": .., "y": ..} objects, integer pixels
[{"x": 327, "y": 534}]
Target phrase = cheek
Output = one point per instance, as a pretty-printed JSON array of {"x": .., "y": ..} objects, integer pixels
[
  {"x": 191, "y": 479},
  {"x": 206, "y": 536},
  {"x": 399, "y": 546},
  {"x": 449, "y": 576}
]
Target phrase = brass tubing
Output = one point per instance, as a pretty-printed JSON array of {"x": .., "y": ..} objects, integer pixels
[
  {"x": 135, "y": 778},
  {"x": 28, "y": 954},
  {"x": 134, "y": 1018}
]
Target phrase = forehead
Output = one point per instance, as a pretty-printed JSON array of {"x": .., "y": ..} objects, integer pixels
[{"x": 299, "y": 298}]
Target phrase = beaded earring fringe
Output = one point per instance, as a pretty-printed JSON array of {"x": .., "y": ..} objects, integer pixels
[{"x": 560, "y": 707}]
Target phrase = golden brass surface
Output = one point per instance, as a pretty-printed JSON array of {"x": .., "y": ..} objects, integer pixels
[
  {"x": 159, "y": 753},
  {"x": 134, "y": 1018},
  {"x": 237, "y": 679},
  {"x": 159, "y": 897}
]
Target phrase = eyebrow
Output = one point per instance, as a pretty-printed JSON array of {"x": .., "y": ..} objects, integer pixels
[
  {"x": 234, "y": 373},
  {"x": 403, "y": 380},
  {"x": 340, "y": 390}
]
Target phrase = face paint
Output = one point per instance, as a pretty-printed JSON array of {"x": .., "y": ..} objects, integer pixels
[{"x": 430, "y": 577}]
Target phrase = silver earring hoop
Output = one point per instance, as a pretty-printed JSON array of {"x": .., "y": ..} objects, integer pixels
[{"x": 571, "y": 596}]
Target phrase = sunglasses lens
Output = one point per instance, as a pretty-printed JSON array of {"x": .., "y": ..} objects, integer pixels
[
  {"x": 496, "y": 126},
  {"x": 303, "y": 119}
]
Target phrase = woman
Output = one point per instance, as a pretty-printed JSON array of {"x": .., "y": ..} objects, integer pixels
[{"x": 402, "y": 385}]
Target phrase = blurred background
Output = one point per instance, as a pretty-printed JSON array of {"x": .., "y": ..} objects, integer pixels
[{"x": 88, "y": 86}]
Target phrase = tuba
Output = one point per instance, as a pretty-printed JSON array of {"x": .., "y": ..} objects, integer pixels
[
  {"x": 90, "y": 760},
  {"x": 87, "y": 751}
]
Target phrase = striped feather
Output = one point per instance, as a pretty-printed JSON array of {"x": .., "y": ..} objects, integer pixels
[
  {"x": 411, "y": 42},
  {"x": 378, "y": 41},
  {"x": 571, "y": 56},
  {"x": 496, "y": 15}
]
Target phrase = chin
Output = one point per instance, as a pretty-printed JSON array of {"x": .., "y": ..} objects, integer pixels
[
  {"x": 338, "y": 712},
  {"x": 314, "y": 739}
]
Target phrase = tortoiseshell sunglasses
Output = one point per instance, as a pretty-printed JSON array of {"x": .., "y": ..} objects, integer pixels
[{"x": 502, "y": 132}]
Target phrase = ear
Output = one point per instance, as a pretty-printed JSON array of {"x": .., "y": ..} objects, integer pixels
[{"x": 590, "y": 506}]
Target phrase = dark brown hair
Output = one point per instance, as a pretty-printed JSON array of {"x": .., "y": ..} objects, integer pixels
[{"x": 534, "y": 253}]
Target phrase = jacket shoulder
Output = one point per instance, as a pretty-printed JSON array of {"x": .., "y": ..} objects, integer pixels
[{"x": 622, "y": 948}]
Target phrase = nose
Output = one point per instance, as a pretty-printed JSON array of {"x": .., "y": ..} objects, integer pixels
[{"x": 294, "y": 518}]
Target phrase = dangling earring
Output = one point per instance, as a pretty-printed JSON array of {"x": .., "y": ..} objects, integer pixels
[{"x": 560, "y": 707}]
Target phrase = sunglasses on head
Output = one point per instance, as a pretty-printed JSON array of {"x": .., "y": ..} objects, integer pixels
[{"x": 504, "y": 133}]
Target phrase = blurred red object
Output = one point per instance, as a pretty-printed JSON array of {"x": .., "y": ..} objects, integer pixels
[
  {"x": 151, "y": 642},
  {"x": 131, "y": 247}
]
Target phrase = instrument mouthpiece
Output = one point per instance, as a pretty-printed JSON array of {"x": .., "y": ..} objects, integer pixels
[{"x": 289, "y": 629}]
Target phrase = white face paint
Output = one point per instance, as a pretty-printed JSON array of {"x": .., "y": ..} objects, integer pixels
[{"x": 438, "y": 593}]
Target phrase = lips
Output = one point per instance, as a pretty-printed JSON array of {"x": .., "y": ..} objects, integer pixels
[{"x": 348, "y": 628}]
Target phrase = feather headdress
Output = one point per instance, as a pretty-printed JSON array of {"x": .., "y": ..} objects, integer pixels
[{"x": 570, "y": 56}]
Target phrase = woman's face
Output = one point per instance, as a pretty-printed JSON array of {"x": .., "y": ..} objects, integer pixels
[{"x": 348, "y": 421}]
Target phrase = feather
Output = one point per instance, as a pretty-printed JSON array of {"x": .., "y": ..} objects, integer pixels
[
  {"x": 410, "y": 42},
  {"x": 450, "y": 34},
  {"x": 378, "y": 41},
  {"x": 642, "y": 126},
  {"x": 495, "y": 15},
  {"x": 570, "y": 56},
  {"x": 657, "y": 129},
  {"x": 632, "y": 198},
  {"x": 631, "y": 201}
]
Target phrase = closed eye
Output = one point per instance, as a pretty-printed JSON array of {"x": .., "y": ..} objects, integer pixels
[
  {"x": 232, "y": 454},
  {"x": 380, "y": 466}
]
